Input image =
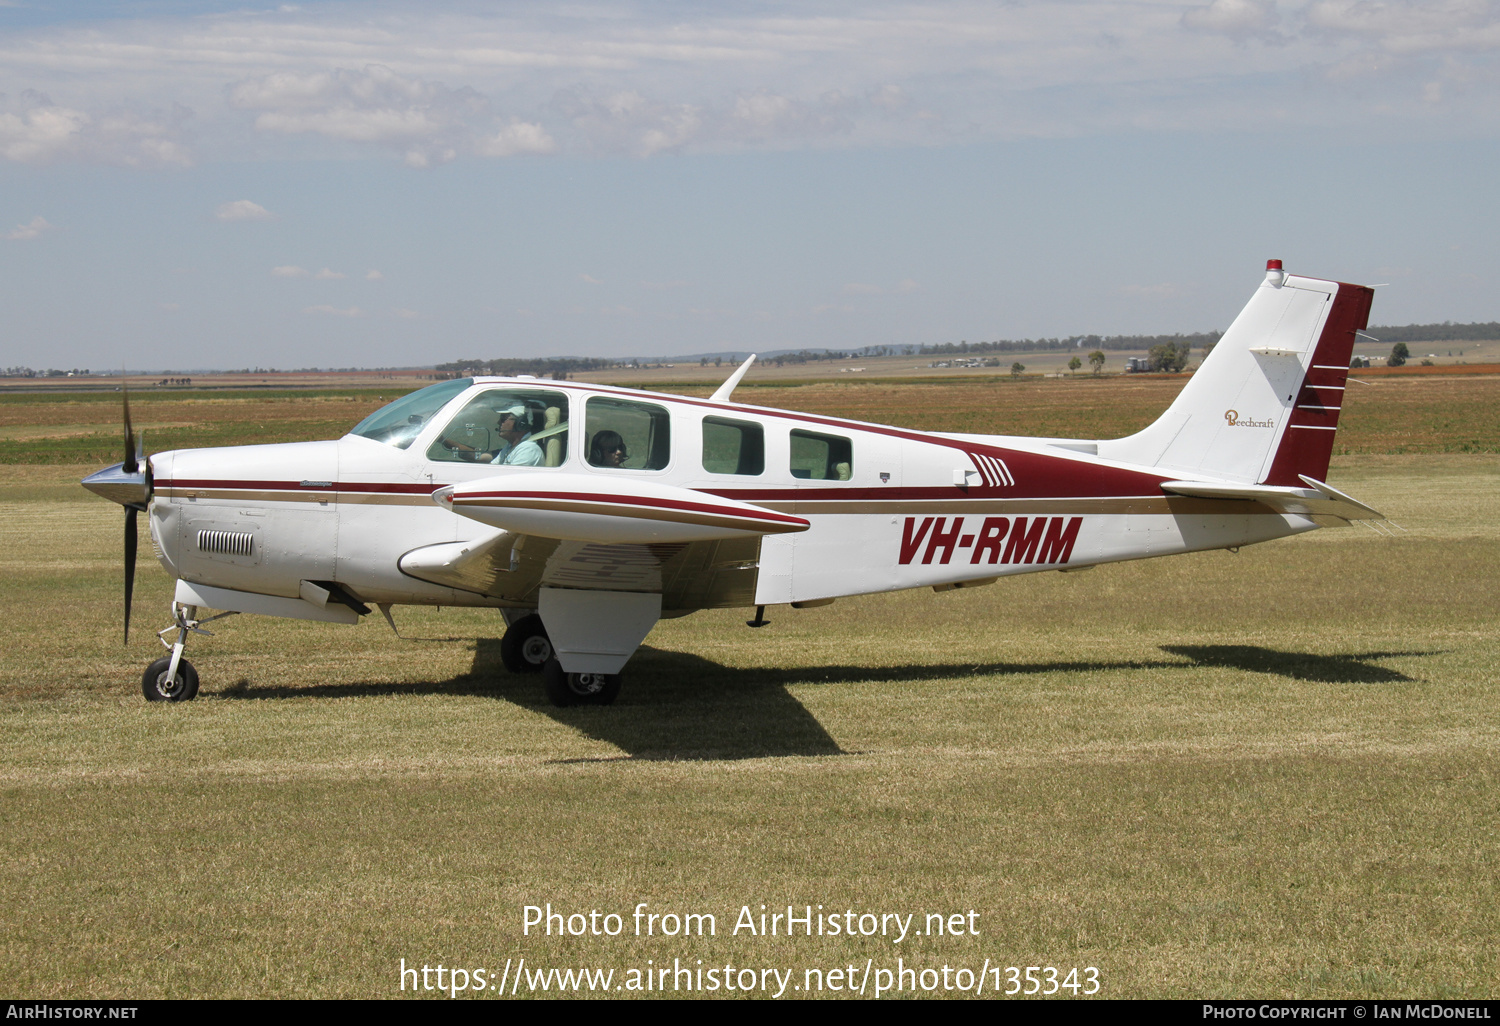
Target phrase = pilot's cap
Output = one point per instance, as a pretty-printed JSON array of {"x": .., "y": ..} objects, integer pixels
[{"x": 516, "y": 410}]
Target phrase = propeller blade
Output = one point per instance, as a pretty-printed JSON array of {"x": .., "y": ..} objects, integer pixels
[
  {"x": 130, "y": 465},
  {"x": 130, "y": 546}
]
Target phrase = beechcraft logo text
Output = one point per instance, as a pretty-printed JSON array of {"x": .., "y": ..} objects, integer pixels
[
  {"x": 998, "y": 540},
  {"x": 1233, "y": 419}
]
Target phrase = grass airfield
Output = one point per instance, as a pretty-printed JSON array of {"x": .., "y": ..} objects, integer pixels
[{"x": 1261, "y": 774}]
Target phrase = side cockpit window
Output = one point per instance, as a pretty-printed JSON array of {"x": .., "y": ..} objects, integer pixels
[
  {"x": 510, "y": 427},
  {"x": 821, "y": 457},
  {"x": 733, "y": 446},
  {"x": 626, "y": 435}
]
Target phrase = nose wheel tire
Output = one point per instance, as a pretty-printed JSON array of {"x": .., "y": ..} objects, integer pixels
[
  {"x": 564, "y": 689},
  {"x": 525, "y": 648},
  {"x": 181, "y": 688}
]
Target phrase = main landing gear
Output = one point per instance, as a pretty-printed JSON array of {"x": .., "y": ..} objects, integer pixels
[
  {"x": 526, "y": 648},
  {"x": 172, "y": 678},
  {"x": 564, "y": 689}
]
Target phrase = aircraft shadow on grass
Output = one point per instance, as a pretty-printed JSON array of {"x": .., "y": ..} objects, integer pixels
[
  {"x": 679, "y": 706},
  {"x": 1351, "y": 668}
]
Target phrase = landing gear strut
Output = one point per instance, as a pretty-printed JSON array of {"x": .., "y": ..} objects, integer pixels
[
  {"x": 172, "y": 678},
  {"x": 564, "y": 689}
]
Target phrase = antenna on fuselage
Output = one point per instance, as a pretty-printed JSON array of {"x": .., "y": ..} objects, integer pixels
[{"x": 722, "y": 395}]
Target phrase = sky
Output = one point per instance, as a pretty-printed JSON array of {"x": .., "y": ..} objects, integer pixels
[{"x": 191, "y": 184}]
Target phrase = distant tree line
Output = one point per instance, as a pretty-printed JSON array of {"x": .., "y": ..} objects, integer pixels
[
  {"x": 810, "y": 356},
  {"x": 1445, "y": 332},
  {"x": 50, "y": 372},
  {"x": 558, "y": 368},
  {"x": 1178, "y": 342}
]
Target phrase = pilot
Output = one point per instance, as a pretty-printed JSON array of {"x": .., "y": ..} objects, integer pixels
[
  {"x": 515, "y": 428},
  {"x": 607, "y": 450}
]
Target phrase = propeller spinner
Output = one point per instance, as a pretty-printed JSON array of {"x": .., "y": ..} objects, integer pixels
[{"x": 128, "y": 483}]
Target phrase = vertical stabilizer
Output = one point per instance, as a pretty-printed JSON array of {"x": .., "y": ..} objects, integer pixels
[{"x": 1263, "y": 407}]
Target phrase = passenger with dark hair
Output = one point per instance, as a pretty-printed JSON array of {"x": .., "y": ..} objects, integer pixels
[{"x": 607, "y": 450}]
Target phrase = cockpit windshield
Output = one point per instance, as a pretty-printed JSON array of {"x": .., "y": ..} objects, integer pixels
[{"x": 399, "y": 422}]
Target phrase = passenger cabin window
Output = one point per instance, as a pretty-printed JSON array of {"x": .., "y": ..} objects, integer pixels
[
  {"x": 625, "y": 435},
  {"x": 821, "y": 457},
  {"x": 510, "y": 427},
  {"x": 400, "y": 422},
  {"x": 733, "y": 447}
]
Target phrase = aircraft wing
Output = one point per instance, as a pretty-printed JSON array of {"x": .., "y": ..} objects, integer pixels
[
  {"x": 579, "y": 507},
  {"x": 564, "y": 531},
  {"x": 513, "y": 567}
]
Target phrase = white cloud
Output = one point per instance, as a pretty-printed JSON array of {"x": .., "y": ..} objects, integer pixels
[
  {"x": 27, "y": 232},
  {"x": 590, "y": 279},
  {"x": 626, "y": 121},
  {"x": 39, "y": 131},
  {"x": 327, "y": 275},
  {"x": 353, "y": 125},
  {"x": 242, "y": 210},
  {"x": 334, "y": 311},
  {"x": 1235, "y": 18},
  {"x": 404, "y": 314},
  {"x": 288, "y": 271},
  {"x": 1403, "y": 26},
  {"x": 425, "y": 120},
  {"x": 373, "y": 275},
  {"x": 517, "y": 137},
  {"x": 458, "y": 80}
]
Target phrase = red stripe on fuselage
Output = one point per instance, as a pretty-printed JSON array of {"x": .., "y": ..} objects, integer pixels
[
  {"x": 298, "y": 486},
  {"x": 640, "y": 501}
]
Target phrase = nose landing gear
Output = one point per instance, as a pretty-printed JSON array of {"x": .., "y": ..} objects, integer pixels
[{"x": 172, "y": 678}]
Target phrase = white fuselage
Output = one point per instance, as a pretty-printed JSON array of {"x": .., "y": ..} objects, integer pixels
[{"x": 884, "y": 508}]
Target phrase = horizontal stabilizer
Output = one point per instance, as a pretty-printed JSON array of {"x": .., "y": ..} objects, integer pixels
[{"x": 1318, "y": 500}]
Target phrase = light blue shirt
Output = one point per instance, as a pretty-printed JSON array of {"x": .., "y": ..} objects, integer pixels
[{"x": 524, "y": 453}]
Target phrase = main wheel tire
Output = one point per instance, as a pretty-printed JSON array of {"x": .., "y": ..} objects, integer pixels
[
  {"x": 565, "y": 689},
  {"x": 525, "y": 648},
  {"x": 182, "y": 688}
]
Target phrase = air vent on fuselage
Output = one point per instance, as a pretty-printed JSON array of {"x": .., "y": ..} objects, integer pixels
[{"x": 228, "y": 543}]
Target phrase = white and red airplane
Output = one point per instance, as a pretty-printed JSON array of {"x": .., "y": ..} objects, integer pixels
[{"x": 585, "y": 513}]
